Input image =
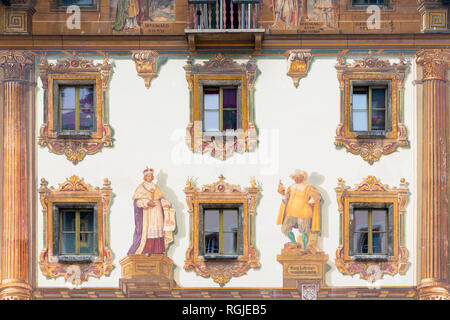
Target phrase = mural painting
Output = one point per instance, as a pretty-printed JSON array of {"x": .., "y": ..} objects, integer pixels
[
  {"x": 146, "y": 16},
  {"x": 305, "y": 15},
  {"x": 154, "y": 218}
]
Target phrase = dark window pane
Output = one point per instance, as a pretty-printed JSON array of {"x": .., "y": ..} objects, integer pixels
[
  {"x": 230, "y": 242},
  {"x": 211, "y": 100},
  {"x": 211, "y": 120},
  {"x": 211, "y": 242},
  {"x": 86, "y": 243},
  {"x": 86, "y": 119},
  {"x": 86, "y": 221},
  {"x": 378, "y": 120},
  {"x": 229, "y": 98},
  {"x": 87, "y": 97},
  {"x": 360, "y": 121},
  {"x": 230, "y": 220},
  {"x": 68, "y": 120},
  {"x": 68, "y": 243},
  {"x": 68, "y": 221},
  {"x": 229, "y": 119},
  {"x": 211, "y": 220},
  {"x": 378, "y": 98},
  {"x": 361, "y": 243},
  {"x": 379, "y": 220},
  {"x": 379, "y": 243},
  {"x": 361, "y": 220},
  {"x": 67, "y": 98},
  {"x": 77, "y": 2}
]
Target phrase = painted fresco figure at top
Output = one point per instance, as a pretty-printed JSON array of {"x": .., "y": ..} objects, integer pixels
[
  {"x": 154, "y": 218},
  {"x": 300, "y": 209},
  {"x": 129, "y": 14},
  {"x": 286, "y": 10}
]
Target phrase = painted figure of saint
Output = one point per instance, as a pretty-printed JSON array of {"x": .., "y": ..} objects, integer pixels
[
  {"x": 286, "y": 10},
  {"x": 129, "y": 14},
  {"x": 300, "y": 209},
  {"x": 154, "y": 218}
]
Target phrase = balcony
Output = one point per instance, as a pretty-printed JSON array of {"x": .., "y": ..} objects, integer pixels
[{"x": 225, "y": 20}]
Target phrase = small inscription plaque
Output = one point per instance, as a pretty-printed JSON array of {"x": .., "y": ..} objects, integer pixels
[
  {"x": 303, "y": 271},
  {"x": 150, "y": 268}
]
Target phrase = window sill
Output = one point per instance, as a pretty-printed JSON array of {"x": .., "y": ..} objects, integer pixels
[
  {"x": 75, "y": 259},
  {"x": 370, "y": 134},
  {"x": 371, "y": 258},
  {"x": 220, "y": 256},
  {"x": 74, "y": 134}
]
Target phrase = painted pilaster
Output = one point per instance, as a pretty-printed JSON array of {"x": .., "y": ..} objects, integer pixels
[
  {"x": 17, "y": 87},
  {"x": 434, "y": 238}
]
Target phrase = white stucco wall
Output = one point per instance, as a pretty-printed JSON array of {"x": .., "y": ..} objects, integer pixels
[{"x": 297, "y": 129}]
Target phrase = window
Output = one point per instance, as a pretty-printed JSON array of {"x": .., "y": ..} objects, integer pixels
[
  {"x": 222, "y": 230},
  {"x": 370, "y": 109},
  {"x": 76, "y": 230},
  {"x": 369, "y": 2},
  {"x": 369, "y": 230},
  {"x": 372, "y": 99},
  {"x": 221, "y": 107},
  {"x": 75, "y": 108},
  {"x": 66, "y": 3},
  {"x": 372, "y": 228}
]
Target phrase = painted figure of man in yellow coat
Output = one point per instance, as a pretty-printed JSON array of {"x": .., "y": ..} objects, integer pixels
[{"x": 300, "y": 209}]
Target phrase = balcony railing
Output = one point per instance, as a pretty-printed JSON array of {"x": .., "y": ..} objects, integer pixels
[{"x": 224, "y": 14}]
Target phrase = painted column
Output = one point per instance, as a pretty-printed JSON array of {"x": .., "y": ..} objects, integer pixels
[
  {"x": 434, "y": 237},
  {"x": 16, "y": 236}
]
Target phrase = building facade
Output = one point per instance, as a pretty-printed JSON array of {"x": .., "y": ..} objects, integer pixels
[{"x": 224, "y": 149}]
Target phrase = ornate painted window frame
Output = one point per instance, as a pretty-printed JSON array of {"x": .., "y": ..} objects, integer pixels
[
  {"x": 75, "y": 70},
  {"x": 372, "y": 192},
  {"x": 74, "y": 191},
  {"x": 372, "y": 70},
  {"x": 221, "y": 192},
  {"x": 221, "y": 70}
]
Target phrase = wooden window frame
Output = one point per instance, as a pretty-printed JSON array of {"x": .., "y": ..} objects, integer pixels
[
  {"x": 58, "y": 118},
  {"x": 371, "y": 145},
  {"x": 75, "y": 193},
  {"x": 221, "y": 71},
  {"x": 220, "y": 193},
  {"x": 74, "y": 71},
  {"x": 372, "y": 84},
  {"x": 371, "y": 193},
  {"x": 221, "y": 109},
  {"x": 220, "y": 207}
]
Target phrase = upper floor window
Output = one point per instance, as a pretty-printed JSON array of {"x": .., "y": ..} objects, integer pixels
[
  {"x": 372, "y": 98},
  {"x": 221, "y": 106},
  {"x": 370, "y": 108},
  {"x": 66, "y": 3},
  {"x": 75, "y": 108},
  {"x": 372, "y": 229},
  {"x": 369, "y": 2}
]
